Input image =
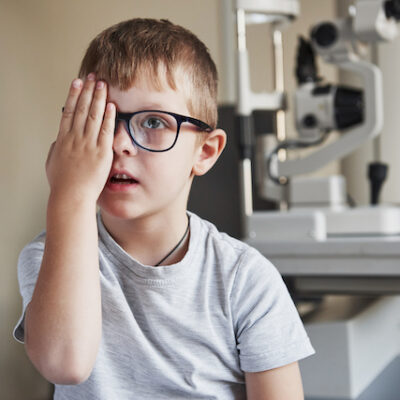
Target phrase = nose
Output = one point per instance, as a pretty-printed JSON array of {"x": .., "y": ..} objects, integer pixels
[{"x": 123, "y": 143}]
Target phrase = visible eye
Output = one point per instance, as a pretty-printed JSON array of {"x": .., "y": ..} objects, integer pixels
[{"x": 153, "y": 122}]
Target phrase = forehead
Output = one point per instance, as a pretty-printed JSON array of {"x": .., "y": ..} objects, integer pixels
[{"x": 146, "y": 94}]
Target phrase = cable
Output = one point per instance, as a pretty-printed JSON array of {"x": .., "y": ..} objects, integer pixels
[
  {"x": 289, "y": 145},
  {"x": 179, "y": 243}
]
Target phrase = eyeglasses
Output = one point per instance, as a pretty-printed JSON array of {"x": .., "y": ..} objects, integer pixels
[{"x": 155, "y": 130}]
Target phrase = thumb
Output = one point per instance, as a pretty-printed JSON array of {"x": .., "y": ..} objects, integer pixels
[{"x": 49, "y": 155}]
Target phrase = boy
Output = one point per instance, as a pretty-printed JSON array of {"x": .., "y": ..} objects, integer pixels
[{"x": 143, "y": 299}]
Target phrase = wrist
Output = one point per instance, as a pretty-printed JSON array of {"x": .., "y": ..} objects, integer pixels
[{"x": 71, "y": 201}]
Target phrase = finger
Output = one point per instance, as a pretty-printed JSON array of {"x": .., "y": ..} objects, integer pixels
[
  {"x": 83, "y": 105},
  {"x": 106, "y": 134},
  {"x": 96, "y": 111},
  {"x": 70, "y": 104}
]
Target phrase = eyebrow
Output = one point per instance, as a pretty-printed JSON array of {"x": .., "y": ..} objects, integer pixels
[{"x": 146, "y": 106}]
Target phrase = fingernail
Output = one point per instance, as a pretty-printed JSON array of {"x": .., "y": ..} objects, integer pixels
[
  {"x": 100, "y": 85},
  {"x": 77, "y": 83},
  {"x": 91, "y": 76}
]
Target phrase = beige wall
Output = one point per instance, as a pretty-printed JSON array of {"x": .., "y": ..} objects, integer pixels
[{"x": 42, "y": 42}]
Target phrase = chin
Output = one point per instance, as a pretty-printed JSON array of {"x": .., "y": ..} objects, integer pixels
[{"x": 120, "y": 209}]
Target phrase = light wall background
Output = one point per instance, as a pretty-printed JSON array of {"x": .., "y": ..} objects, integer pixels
[{"x": 42, "y": 43}]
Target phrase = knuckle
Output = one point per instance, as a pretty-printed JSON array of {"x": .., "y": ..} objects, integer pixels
[
  {"x": 81, "y": 109},
  {"x": 67, "y": 113},
  {"x": 106, "y": 128},
  {"x": 103, "y": 131},
  {"x": 93, "y": 116},
  {"x": 104, "y": 139}
]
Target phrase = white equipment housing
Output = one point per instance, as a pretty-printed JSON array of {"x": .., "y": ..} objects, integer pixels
[{"x": 323, "y": 244}]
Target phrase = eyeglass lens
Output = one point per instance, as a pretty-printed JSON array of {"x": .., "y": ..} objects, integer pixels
[{"x": 154, "y": 130}]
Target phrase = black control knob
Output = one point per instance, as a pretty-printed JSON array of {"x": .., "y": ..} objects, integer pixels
[
  {"x": 309, "y": 121},
  {"x": 325, "y": 34},
  {"x": 392, "y": 9}
]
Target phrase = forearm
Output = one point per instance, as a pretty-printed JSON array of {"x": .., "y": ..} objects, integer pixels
[{"x": 63, "y": 323}]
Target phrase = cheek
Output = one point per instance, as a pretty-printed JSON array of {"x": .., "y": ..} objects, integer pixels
[
  {"x": 175, "y": 164},
  {"x": 168, "y": 170}
]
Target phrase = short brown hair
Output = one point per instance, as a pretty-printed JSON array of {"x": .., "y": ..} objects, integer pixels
[{"x": 144, "y": 47}]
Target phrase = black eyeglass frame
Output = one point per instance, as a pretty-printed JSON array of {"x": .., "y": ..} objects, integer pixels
[
  {"x": 126, "y": 117},
  {"x": 120, "y": 116}
]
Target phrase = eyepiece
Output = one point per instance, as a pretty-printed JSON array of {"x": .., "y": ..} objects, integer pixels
[{"x": 306, "y": 70}]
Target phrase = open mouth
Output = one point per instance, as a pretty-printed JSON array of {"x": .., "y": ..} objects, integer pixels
[{"x": 123, "y": 179}]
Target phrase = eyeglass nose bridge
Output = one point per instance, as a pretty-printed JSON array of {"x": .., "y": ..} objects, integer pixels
[{"x": 125, "y": 121}]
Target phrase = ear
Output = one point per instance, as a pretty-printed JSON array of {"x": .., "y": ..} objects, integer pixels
[{"x": 209, "y": 151}]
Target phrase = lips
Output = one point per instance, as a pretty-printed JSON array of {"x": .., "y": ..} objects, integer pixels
[
  {"x": 121, "y": 180},
  {"x": 121, "y": 176}
]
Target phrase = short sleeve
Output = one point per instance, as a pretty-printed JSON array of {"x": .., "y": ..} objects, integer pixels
[
  {"x": 269, "y": 331},
  {"x": 29, "y": 262}
]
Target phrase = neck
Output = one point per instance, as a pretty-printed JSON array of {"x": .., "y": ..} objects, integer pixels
[{"x": 148, "y": 239}]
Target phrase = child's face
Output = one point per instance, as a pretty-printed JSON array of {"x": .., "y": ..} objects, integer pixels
[{"x": 164, "y": 178}]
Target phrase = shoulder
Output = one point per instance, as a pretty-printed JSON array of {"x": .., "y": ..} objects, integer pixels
[
  {"x": 30, "y": 259},
  {"x": 229, "y": 250},
  {"x": 31, "y": 255},
  {"x": 35, "y": 245},
  {"x": 251, "y": 274}
]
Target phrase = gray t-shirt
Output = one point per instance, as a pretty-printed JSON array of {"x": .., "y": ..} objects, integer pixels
[{"x": 182, "y": 331}]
